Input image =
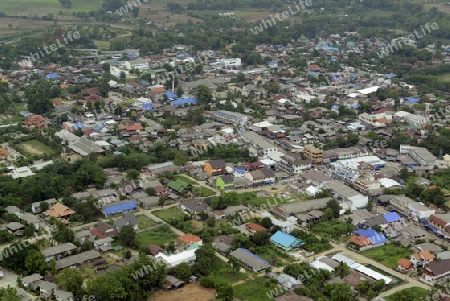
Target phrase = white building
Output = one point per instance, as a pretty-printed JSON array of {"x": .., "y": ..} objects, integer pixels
[
  {"x": 174, "y": 260},
  {"x": 230, "y": 63},
  {"x": 139, "y": 64}
]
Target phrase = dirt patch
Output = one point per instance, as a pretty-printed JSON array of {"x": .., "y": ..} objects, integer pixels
[
  {"x": 190, "y": 292},
  {"x": 31, "y": 150}
]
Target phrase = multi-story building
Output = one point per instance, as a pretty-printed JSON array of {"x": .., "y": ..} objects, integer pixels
[
  {"x": 294, "y": 164},
  {"x": 230, "y": 117},
  {"x": 313, "y": 153}
]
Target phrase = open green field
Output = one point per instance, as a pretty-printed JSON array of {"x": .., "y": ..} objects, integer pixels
[
  {"x": 255, "y": 290},
  {"x": 412, "y": 294},
  {"x": 145, "y": 221},
  {"x": 42, "y": 7},
  {"x": 388, "y": 255},
  {"x": 224, "y": 273},
  {"x": 34, "y": 147},
  {"x": 159, "y": 236},
  {"x": 202, "y": 191},
  {"x": 445, "y": 78},
  {"x": 166, "y": 214}
]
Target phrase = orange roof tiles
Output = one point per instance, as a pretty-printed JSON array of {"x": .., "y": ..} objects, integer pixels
[
  {"x": 59, "y": 210},
  {"x": 405, "y": 263},
  {"x": 361, "y": 241},
  {"x": 189, "y": 238},
  {"x": 255, "y": 227}
]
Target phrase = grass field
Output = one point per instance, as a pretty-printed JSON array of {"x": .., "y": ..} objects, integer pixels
[
  {"x": 388, "y": 255},
  {"x": 34, "y": 147},
  {"x": 412, "y": 294},
  {"x": 43, "y": 7},
  {"x": 254, "y": 290},
  {"x": 159, "y": 236},
  {"x": 166, "y": 214},
  {"x": 443, "y": 77},
  {"x": 224, "y": 273},
  {"x": 204, "y": 192},
  {"x": 145, "y": 221}
]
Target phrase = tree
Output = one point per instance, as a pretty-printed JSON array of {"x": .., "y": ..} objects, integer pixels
[
  {"x": 181, "y": 271},
  {"x": 103, "y": 88},
  {"x": 335, "y": 207},
  {"x": 260, "y": 238},
  {"x": 71, "y": 280},
  {"x": 205, "y": 257},
  {"x": 43, "y": 206},
  {"x": 106, "y": 67},
  {"x": 150, "y": 191},
  {"x": 203, "y": 94},
  {"x": 266, "y": 222},
  {"x": 342, "y": 270},
  {"x": 106, "y": 287},
  {"x": 35, "y": 262},
  {"x": 338, "y": 292},
  {"x": 225, "y": 292},
  {"x": 9, "y": 294},
  {"x": 39, "y": 96},
  {"x": 127, "y": 236},
  {"x": 133, "y": 174},
  {"x": 179, "y": 160},
  {"x": 63, "y": 234}
]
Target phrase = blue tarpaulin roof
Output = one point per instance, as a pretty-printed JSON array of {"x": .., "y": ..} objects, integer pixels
[
  {"x": 120, "y": 208},
  {"x": 390, "y": 75},
  {"x": 182, "y": 102},
  {"x": 286, "y": 240},
  {"x": 97, "y": 128},
  {"x": 413, "y": 99},
  {"x": 78, "y": 125},
  {"x": 366, "y": 232},
  {"x": 377, "y": 239},
  {"x": 312, "y": 73},
  {"x": 170, "y": 94},
  {"x": 392, "y": 217},
  {"x": 52, "y": 75}
]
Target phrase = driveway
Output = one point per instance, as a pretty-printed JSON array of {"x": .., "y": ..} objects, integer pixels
[{"x": 10, "y": 279}]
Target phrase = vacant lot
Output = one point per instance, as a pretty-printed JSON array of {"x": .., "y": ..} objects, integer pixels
[
  {"x": 43, "y": 7},
  {"x": 158, "y": 236},
  {"x": 255, "y": 290},
  {"x": 145, "y": 221},
  {"x": 388, "y": 254},
  {"x": 34, "y": 147},
  {"x": 166, "y": 214},
  {"x": 190, "y": 292}
]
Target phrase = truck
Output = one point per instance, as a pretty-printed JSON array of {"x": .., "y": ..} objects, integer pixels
[{"x": 1, "y": 272}]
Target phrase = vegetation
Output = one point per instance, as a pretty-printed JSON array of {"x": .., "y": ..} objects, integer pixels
[
  {"x": 388, "y": 254},
  {"x": 159, "y": 236},
  {"x": 409, "y": 294}
]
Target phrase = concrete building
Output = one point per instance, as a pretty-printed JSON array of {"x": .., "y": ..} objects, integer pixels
[{"x": 313, "y": 153}]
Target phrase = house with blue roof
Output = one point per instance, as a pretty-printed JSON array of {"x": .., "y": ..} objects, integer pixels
[
  {"x": 286, "y": 241},
  {"x": 52, "y": 76},
  {"x": 367, "y": 238},
  {"x": 119, "y": 207},
  {"x": 183, "y": 101},
  {"x": 170, "y": 95},
  {"x": 393, "y": 218}
]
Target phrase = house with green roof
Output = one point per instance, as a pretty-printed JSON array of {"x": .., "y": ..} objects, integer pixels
[
  {"x": 179, "y": 186},
  {"x": 225, "y": 182}
]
